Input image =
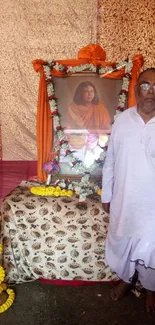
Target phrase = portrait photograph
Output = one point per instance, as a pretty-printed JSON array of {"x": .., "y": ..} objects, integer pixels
[{"x": 87, "y": 105}]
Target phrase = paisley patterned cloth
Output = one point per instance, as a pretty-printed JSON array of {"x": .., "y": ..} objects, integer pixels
[{"x": 51, "y": 238}]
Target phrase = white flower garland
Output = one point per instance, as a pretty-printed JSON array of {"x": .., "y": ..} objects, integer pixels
[{"x": 84, "y": 188}]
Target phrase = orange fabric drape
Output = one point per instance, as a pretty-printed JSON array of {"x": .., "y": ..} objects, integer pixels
[
  {"x": 90, "y": 54},
  {"x": 44, "y": 122},
  {"x": 137, "y": 65}
]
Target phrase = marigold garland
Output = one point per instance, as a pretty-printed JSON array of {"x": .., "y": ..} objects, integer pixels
[
  {"x": 50, "y": 191},
  {"x": 9, "y": 301},
  {"x": 3, "y": 288},
  {"x": 65, "y": 187},
  {"x": 2, "y": 274}
]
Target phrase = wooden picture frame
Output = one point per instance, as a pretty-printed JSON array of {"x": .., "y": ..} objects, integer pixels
[{"x": 86, "y": 139}]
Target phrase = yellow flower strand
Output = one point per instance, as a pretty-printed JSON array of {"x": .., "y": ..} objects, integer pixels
[
  {"x": 50, "y": 191},
  {"x": 99, "y": 192},
  {"x": 9, "y": 301},
  {"x": 3, "y": 287},
  {"x": 2, "y": 274}
]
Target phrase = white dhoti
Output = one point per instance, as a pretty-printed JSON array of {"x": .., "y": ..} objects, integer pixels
[{"x": 126, "y": 255}]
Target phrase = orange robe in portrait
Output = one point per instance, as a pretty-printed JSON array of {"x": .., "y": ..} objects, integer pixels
[{"x": 94, "y": 118}]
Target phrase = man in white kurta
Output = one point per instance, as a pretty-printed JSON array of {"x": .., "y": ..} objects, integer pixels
[{"x": 129, "y": 189}]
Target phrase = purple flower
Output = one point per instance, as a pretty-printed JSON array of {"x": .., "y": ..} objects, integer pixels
[{"x": 51, "y": 168}]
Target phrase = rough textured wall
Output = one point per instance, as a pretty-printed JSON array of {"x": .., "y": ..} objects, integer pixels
[
  {"x": 126, "y": 28},
  {"x": 31, "y": 29}
]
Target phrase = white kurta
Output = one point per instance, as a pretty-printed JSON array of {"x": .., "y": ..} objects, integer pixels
[
  {"x": 129, "y": 176},
  {"x": 129, "y": 186}
]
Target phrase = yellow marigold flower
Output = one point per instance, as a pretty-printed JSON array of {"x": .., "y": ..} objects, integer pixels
[
  {"x": 56, "y": 193},
  {"x": 9, "y": 301},
  {"x": 1, "y": 248},
  {"x": 58, "y": 188},
  {"x": 70, "y": 193},
  {"x": 63, "y": 191},
  {"x": 52, "y": 188},
  {"x": 50, "y": 191},
  {"x": 2, "y": 274},
  {"x": 99, "y": 192}
]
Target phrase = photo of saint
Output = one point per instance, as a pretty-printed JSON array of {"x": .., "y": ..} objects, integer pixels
[
  {"x": 87, "y": 105},
  {"x": 86, "y": 110}
]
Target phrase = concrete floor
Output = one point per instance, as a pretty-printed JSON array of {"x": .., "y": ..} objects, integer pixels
[{"x": 43, "y": 304}]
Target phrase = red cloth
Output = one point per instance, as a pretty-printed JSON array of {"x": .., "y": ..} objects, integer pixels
[{"x": 13, "y": 172}]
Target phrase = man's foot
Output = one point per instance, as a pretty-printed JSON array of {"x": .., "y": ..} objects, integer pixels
[
  {"x": 120, "y": 290},
  {"x": 150, "y": 301}
]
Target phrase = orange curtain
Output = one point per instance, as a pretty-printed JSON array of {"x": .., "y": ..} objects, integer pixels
[
  {"x": 90, "y": 54},
  {"x": 44, "y": 122}
]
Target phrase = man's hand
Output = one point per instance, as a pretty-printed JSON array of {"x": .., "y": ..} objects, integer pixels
[{"x": 106, "y": 207}]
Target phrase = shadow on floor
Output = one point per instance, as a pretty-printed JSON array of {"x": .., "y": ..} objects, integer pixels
[{"x": 44, "y": 304}]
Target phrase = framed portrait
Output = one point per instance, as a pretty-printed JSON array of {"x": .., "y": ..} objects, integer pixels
[
  {"x": 87, "y": 105},
  {"x": 77, "y": 102}
]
